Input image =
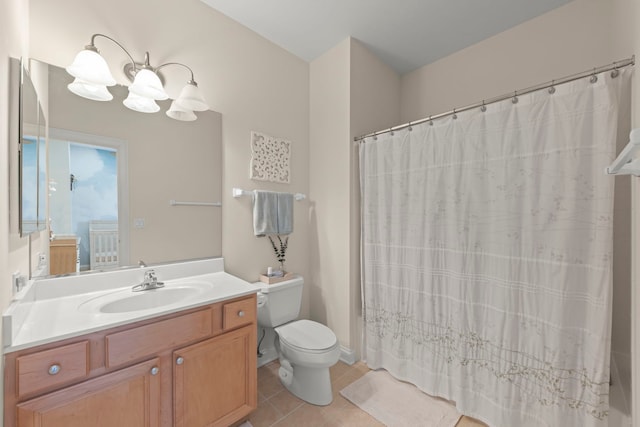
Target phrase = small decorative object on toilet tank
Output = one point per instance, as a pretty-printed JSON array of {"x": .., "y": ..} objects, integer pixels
[{"x": 280, "y": 251}]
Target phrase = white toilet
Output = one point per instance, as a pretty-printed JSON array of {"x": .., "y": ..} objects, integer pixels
[{"x": 306, "y": 349}]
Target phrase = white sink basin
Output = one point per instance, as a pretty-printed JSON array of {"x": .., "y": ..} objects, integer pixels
[
  {"x": 145, "y": 300},
  {"x": 125, "y": 301}
]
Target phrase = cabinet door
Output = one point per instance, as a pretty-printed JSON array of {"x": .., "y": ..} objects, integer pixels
[
  {"x": 215, "y": 381},
  {"x": 129, "y": 397}
]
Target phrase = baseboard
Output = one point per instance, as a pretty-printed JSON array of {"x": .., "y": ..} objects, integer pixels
[{"x": 347, "y": 355}]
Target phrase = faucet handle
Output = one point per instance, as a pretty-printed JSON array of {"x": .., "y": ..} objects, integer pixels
[{"x": 150, "y": 275}]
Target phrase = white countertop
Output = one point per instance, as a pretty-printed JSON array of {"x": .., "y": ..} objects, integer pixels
[{"x": 50, "y": 310}]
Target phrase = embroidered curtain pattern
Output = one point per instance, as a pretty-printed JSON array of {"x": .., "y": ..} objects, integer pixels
[{"x": 487, "y": 255}]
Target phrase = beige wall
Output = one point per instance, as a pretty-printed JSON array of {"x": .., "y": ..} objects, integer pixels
[
  {"x": 570, "y": 39},
  {"x": 375, "y": 105},
  {"x": 329, "y": 174},
  {"x": 352, "y": 92},
  {"x": 635, "y": 297},
  {"x": 14, "y": 41},
  {"x": 254, "y": 84}
]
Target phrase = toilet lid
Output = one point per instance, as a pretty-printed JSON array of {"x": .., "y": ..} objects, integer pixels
[{"x": 307, "y": 334}]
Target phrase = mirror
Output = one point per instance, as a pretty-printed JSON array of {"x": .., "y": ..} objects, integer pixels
[
  {"x": 112, "y": 173},
  {"x": 31, "y": 156}
]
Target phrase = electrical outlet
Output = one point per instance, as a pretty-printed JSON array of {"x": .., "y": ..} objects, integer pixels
[
  {"x": 17, "y": 282},
  {"x": 42, "y": 259},
  {"x": 138, "y": 223}
]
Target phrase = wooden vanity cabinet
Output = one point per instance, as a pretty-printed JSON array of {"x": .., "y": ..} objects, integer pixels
[
  {"x": 192, "y": 368},
  {"x": 128, "y": 397},
  {"x": 213, "y": 381}
]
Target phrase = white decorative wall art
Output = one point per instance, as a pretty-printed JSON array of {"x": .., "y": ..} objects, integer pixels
[{"x": 270, "y": 158}]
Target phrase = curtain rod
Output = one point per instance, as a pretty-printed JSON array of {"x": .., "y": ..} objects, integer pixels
[{"x": 613, "y": 67}]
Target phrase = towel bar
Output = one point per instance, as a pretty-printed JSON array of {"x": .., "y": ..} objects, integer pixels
[
  {"x": 176, "y": 203},
  {"x": 239, "y": 192}
]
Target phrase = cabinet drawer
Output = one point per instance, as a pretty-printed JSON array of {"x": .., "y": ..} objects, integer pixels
[
  {"x": 238, "y": 313},
  {"x": 133, "y": 344},
  {"x": 50, "y": 368}
]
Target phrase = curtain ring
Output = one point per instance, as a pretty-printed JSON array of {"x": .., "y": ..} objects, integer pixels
[
  {"x": 552, "y": 88},
  {"x": 484, "y": 107},
  {"x": 430, "y": 121},
  {"x": 409, "y": 128},
  {"x": 514, "y": 100},
  {"x": 391, "y": 132},
  {"x": 375, "y": 137},
  {"x": 615, "y": 72},
  {"x": 593, "y": 78},
  {"x": 455, "y": 116}
]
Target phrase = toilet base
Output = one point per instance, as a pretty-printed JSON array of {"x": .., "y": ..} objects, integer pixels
[{"x": 313, "y": 385}]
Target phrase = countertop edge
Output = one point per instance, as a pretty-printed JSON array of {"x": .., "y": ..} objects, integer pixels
[{"x": 159, "y": 313}]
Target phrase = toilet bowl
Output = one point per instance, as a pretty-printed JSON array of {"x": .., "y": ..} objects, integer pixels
[{"x": 306, "y": 349}]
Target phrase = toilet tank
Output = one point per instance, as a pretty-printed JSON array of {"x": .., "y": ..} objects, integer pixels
[{"x": 280, "y": 302}]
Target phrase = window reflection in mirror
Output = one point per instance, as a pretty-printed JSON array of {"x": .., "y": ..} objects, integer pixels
[{"x": 83, "y": 196}]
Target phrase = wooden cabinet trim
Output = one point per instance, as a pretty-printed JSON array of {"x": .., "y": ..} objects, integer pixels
[
  {"x": 136, "y": 343},
  {"x": 32, "y": 370},
  {"x": 199, "y": 363},
  {"x": 239, "y": 313},
  {"x": 33, "y": 412}
]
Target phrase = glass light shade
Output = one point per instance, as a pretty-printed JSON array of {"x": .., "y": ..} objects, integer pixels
[
  {"x": 95, "y": 92},
  {"x": 179, "y": 113},
  {"x": 191, "y": 99},
  {"x": 90, "y": 67},
  {"x": 141, "y": 104},
  {"x": 148, "y": 84}
]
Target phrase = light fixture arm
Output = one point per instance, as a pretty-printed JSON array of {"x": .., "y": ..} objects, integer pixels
[
  {"x": 191, "y": 81},
  {"x": 92, "y": 46}
]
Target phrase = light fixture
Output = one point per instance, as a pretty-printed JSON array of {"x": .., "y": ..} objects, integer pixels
[
  {"x": 91, "y": 91},
  {"x": 141, "y": 104},
  {"x": 90, "y": 67},
  {"x": 147, "y": 83},
  {"x": 92, "y": 76},
  {"x": 179, "y": 113},
  {"x": 191, "y": 98}
]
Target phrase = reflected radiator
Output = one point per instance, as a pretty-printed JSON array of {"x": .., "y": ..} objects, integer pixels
[{"x": 103, "y": 244}]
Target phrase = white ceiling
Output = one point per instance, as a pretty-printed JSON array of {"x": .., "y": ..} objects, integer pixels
[{"x": 406, "y": 34}]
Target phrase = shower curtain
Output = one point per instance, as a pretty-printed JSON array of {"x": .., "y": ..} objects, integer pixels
[{"x": 487, "y": 255}]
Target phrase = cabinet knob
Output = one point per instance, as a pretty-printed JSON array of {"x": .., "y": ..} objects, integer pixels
[
  {"x": 155, "y": 370},
  {"x": 241, "y": 313},
  {"x": 54, "y": 369},
  {"x": 179, "y": 361}
]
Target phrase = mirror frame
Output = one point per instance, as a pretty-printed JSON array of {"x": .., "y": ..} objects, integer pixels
[{"x": 25, "y": 83}]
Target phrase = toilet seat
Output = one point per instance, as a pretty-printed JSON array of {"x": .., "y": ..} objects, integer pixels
[{"x": 307, "y": 336}]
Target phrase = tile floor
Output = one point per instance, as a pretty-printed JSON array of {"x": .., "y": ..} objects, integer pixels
[{"x": 279, "y": 408}]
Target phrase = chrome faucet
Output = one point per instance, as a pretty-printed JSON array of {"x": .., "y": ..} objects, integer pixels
[{"x": 150, "y": 282}]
